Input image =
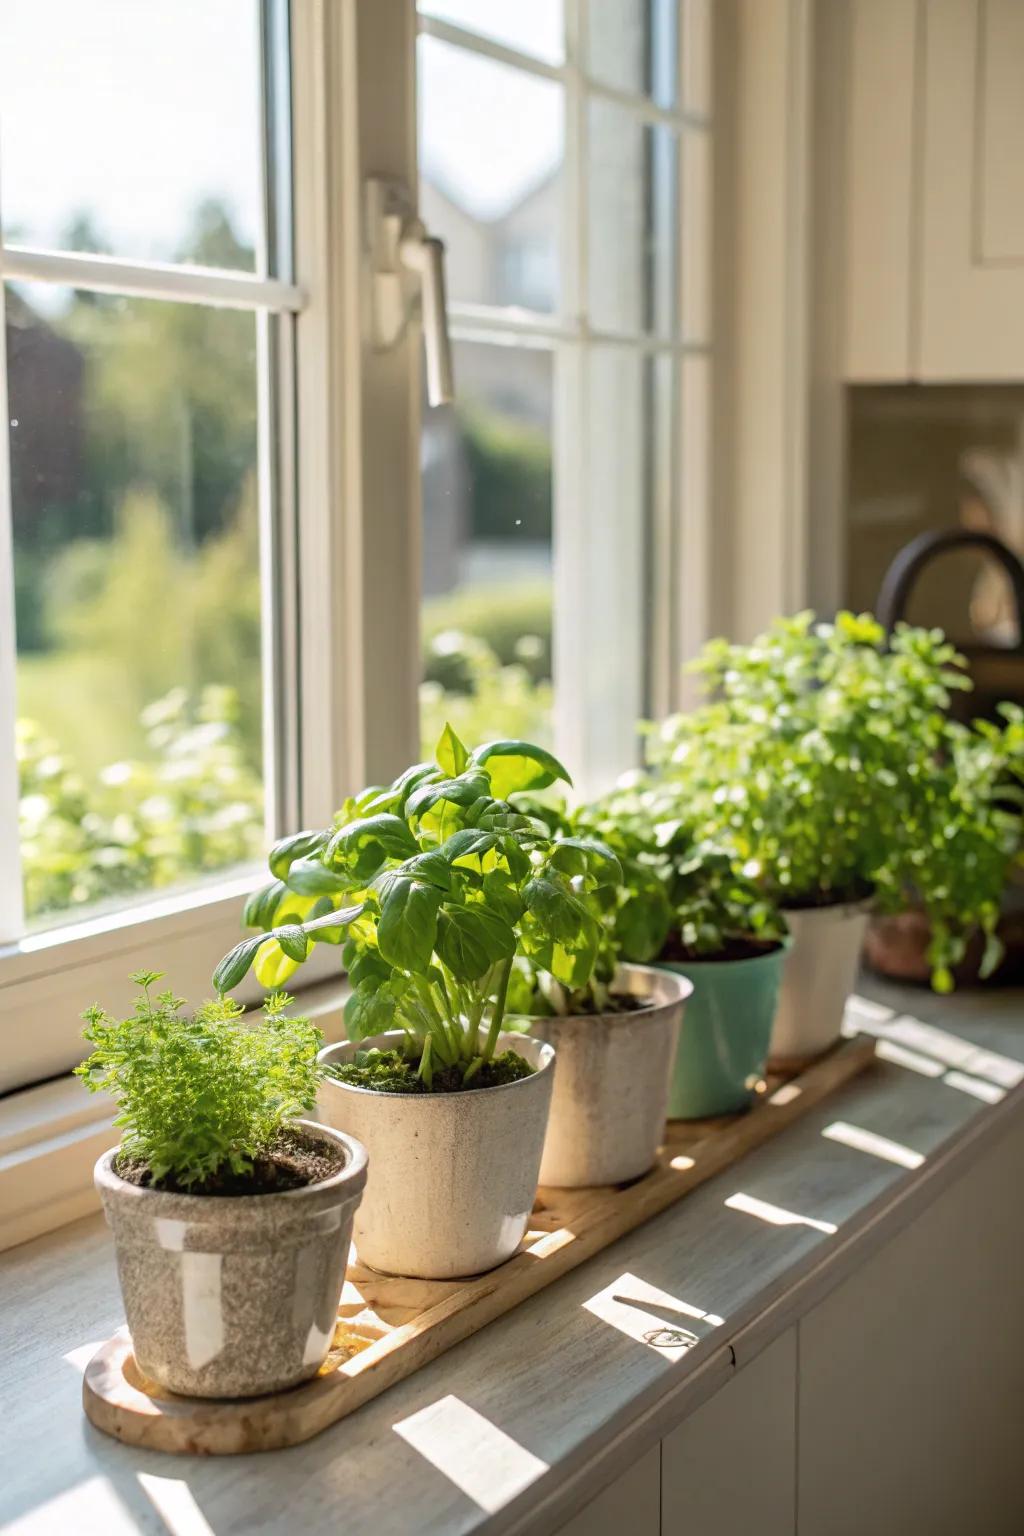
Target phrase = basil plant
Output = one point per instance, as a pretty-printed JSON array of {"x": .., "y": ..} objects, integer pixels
[{"x": 434, "y": 885}]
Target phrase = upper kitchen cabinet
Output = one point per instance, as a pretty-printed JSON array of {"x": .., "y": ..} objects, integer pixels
[{"x": 934, "y": 204}]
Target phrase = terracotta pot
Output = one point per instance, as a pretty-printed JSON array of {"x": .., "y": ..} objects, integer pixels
[
  {"x": 233, "y": 1295},
  {"x": 452, "y": 1175},
  {"x": 612, "y": 1078},
  {"x": 897, "y": 946},
  {"x": 819, "y": 975}
]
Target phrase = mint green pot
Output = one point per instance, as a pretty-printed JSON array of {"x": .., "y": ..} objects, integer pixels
[{"x": 723, "y": 1044}]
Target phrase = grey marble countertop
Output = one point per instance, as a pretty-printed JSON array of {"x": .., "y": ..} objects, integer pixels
[{"x": 512, "y": 1428}]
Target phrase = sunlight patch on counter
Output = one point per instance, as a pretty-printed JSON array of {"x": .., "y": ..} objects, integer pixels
[
  {"x": 175, "y": 1503},
  {"x": 776, "y": 1215},
  {"x": 874, "y": 1145},
  {"x": 483, "y": 1462},
  {"x": 988, "y": 1093},
  {"x": 650, "y": 1316}
]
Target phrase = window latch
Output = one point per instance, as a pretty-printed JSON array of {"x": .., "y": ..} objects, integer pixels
[{"x": 407, "y": 268}]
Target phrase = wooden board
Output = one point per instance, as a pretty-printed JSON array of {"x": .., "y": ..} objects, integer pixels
[{"x": 389, "y": 1326}]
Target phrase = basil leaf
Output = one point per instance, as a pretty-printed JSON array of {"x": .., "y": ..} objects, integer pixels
[
  {"x": 408, "y": 923},
  {"x": 385, "y": 832},
  {"x": 463, "y": 790},
  {"x": 298, "y": 846},
  {"x": 450, "y": 753},
  {"x": 369, "y": 1011},
  {"x": 513, "y": 766},
  {"x": 261, "y": 907},
  {"x": 472, "y": 939},
  {"x": 554, "y": 905},
  {"x": 467, "y": 841},
  {"x": 309, "y": 877},
  {"x": 236, "y": 963},
  {"x": 293, "y": 942}
]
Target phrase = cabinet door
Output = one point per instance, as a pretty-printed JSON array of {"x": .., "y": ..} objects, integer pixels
[
  {"x": 972, "y": 191},
  {"x": 631, "y": 1504},
  {"x": 729, "y": 1467},
  {"x": 912, "y": 1373}
]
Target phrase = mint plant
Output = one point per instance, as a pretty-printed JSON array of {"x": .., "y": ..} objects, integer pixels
[
  {"x": 205, "y": 1093},
  {"x": 433, "y": 885},
  {"x": 826, "y": 762}
]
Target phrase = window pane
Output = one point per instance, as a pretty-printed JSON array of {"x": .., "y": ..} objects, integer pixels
[
  {"x": 133, "y": 461},
  {"x": 490, "y": 164},
  {"x": 132, "y": 129},
  {"x": 631, "y": 211},
  {"x": 632, "y": 46},
  {"x": 533, "y": 26},
  {"x": 487, "y": 549}
]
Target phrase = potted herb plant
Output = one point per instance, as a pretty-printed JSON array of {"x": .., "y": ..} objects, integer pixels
[
  {"x": 811, "y": 763},
  {"x": 231, "y": 1215},
  {"x": 614, "y": 1026},
  {"x": 685, "y": 906},
  {"x": 967, "y": 835},
  {"x": 442, "y": 883}
]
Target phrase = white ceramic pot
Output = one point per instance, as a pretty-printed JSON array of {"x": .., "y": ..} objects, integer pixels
[
  {"x": 821, "y": 969},
  {"x": 452, "y": 1175},
  {"x": 233, "y": 1295},
  {"x": 613, "y": 1073}
]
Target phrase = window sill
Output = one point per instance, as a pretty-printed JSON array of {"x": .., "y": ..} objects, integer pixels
[{"x": 51, "y": 1136}]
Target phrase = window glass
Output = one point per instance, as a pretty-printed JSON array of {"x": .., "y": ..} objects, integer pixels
[
  {"x": 133, "y": 439},
  {"x": 632, "y": 225},
  {"x": 487, "y": 548},
  {"x": 631, "y": 46},
  {"x": 132, "y": 127},
  {"x": 491, "y": 141},
  {"x": 533, "y": 26}
]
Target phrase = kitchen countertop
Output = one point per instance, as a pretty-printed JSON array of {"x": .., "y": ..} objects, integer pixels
[{"x": 521, "y": 1424}]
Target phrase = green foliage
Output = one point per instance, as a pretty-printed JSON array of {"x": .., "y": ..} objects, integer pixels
[
  {"x": 509, "y": 464},
  {"x": 202, "y": 1093},
  {"x": 670, "y": 887},
  {"x": 512, "y": 623},
  {"x": 194, "y": 806},
  {"x": 439, "y": 881},
  {"x": 484, "y": 698},
  {"x": 676, "y": 885},
  {"x": 827, "y": 764}
]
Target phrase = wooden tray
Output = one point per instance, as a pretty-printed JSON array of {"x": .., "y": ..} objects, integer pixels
[{"x": 388, "y": 1326}]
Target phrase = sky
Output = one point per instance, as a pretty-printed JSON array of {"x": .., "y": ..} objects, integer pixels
[
  {"x": 149, "y": 106},
  {"x": 144, "y": 109}
]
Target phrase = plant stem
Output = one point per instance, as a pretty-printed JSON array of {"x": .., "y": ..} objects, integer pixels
[{"x": 497, "y": 1011}]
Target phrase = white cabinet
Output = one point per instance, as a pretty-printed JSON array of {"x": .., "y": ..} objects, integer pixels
[
  {"x": 911, "y": 1403},
  {"x": 934, "y": 176},
  {"x": 729, "y": 1467},
  {"x": 632, "y": 1504}
]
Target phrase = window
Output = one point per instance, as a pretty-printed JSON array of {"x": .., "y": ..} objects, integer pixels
[
  {"x": 241, "y": 569},
  {"x": 145, "y": 252},
  {"x": 564, "y": 152}
]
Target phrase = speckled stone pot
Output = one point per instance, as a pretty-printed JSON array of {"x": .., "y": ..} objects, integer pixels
[
  {"x": 452, "y": 1175},
  {"x": 612, "y": 1083},
  {"x": 233, "y": 1296},
  {"x": 819, "y": 975}
]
